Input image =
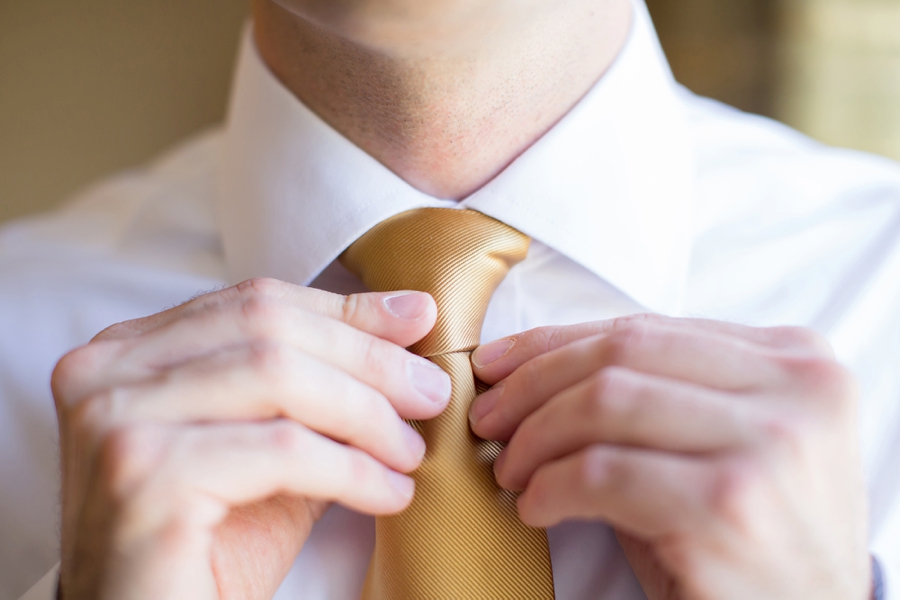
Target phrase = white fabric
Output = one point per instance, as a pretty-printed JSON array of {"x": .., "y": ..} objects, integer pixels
[
  {"x": 44, "y": 589},
  {"x": 643, "y": 198}
]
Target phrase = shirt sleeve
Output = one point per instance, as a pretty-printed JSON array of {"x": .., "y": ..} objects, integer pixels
[
  {"x": 877, "y": 580},
  {"x": 45, "y": 589},
  {"x": 885, "y": 578}
]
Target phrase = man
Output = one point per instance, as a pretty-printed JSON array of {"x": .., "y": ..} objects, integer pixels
[{"x": 239, "y": 444}]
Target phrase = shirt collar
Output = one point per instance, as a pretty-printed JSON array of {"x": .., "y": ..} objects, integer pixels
[{"x": 610, "y": 185}]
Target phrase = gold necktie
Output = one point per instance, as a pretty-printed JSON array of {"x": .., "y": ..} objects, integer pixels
[{"x": 461, "y": 537}]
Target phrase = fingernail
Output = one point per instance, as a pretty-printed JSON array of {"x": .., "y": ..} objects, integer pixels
[
  {"x": 409, "y": 306},
  {"x": 403, "y": 484},
  {"x": 484, "y": 404},
  {"x": 414, "y": 441},
  {"x": 489, "y": 353},
  {"x": 498, "y": 462},
  {"x": 430, "y": 380}
]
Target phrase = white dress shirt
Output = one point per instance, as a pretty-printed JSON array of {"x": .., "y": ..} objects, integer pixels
[{"x": 643, "y": 198}]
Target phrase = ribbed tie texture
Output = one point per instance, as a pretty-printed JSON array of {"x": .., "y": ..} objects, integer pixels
[{"x": 461, "y": 537}]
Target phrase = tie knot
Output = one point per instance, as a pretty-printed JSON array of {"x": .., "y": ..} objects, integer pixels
[{"x": 457, "y": 256}]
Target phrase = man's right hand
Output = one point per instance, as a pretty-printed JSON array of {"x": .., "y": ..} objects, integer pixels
[{"x": 199, "y": 445}]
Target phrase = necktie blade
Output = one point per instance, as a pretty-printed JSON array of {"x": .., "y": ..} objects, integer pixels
[{"x": 461, "y": 536}]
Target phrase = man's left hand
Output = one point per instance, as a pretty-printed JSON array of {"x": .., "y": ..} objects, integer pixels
[{"x": 726, "y": 457}]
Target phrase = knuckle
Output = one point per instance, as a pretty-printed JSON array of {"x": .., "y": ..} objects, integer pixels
[
  {"x": 625, "y": 341},
  {"x": 290, "y": 438},
  {"x": 66, "y": 372},
  {"x": 272, "y": 361},
  {"x": 374, "y": 354},
  {"x": 610, "y": 388},
  {"x": 546, "y": 338},
  {"x": 526, "y": 377},
  {"x": 823, "y": 380},
  {"x": 735, "y": 493},
  {"x": 639, "y": 319},
  {"x": 360, "y": 471},
  {"x": 127, "y": 455},
  {"x": 529, "y": 432},
  {"x": 263, "y": 318},
  {"x": 93, "y": 412},
  {"x": 73, "y": 368},
  {"x": 260, "y": 288},
  {"x": 597, "y": 469},
  {"x": 802, "y": 338},
  {"x": 550, "y": 337},
  {"x": 787, "y": 434},
  {"x": 352, "y": 307},
  {"x": 806, "y": 370}
]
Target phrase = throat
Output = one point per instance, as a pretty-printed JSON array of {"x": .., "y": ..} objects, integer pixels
[{"x": 446, "y": 110}]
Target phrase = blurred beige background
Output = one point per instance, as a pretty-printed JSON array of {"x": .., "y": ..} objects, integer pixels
[
  {"x": 89, "y": 87},
  {"x": 726, "y": 49},
  {"x": 842, "y": 72}
]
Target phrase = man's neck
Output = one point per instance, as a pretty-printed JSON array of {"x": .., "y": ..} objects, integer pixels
[{"x": 447, "y": 104}]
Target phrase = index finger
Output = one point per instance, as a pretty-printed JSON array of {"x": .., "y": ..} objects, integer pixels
[
  {"x": 380, "y": 314},
  {"x": 496, "y": 360}
]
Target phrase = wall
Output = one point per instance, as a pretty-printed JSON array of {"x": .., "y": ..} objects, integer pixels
[
  {"x": 88, "y": 87},
  {"x": 841, "y": 72},
  {"x": 725, "y": 49}
]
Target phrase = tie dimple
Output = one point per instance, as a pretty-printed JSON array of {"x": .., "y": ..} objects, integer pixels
[{"x": 460, "y": 537}]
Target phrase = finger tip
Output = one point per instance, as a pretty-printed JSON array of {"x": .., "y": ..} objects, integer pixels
[
  {"x": 528, "y": 515},
  {"x": 487, "y": 359},
  {"x": 524, "y": 512},
  {"x": 506, "y": 479},
  {"x": 479, "y": 430},
  {"x": 410, "y": 305},
  {"x": 486, "y": 375},
  {"x": 509, "y": 484},
  {"x": 430, "y": 388},
  {"x": 429, "y": 315},
  {"x": 407, "y": 465},
  {"x": 405, "y": 317},
  {"x": 404, "y": 486}
]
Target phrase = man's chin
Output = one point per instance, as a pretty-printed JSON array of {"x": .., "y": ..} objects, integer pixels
[{"x": 389, "y": 23}]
